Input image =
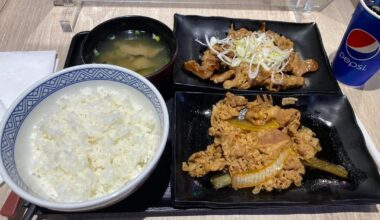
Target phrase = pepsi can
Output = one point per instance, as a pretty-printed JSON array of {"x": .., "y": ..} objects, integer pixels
[{"x": 358, "y": 57}]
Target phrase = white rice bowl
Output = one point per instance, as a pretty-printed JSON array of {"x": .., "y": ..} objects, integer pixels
[{"x": 89, "y": 144}]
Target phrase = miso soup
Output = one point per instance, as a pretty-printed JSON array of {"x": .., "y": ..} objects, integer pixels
[{"x": 140, "y": 51}]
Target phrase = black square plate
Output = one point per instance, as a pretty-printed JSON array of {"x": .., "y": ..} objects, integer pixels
[
  {"x": 329, "y": 116},
  {"x": 306, "y": 37}
]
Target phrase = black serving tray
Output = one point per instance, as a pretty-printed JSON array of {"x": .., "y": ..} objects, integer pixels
[
  {"x": 154, "y": 198},
  {"x": 307, "y": 42}
]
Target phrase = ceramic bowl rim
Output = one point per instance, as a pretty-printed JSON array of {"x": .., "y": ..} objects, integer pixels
[{"x": 121, "y": 192}]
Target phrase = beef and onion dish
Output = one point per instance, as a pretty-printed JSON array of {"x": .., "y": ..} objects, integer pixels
[{"x": 257, "y": 145}]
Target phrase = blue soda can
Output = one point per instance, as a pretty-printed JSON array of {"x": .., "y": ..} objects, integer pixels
[{"x": 358, "y": 57}]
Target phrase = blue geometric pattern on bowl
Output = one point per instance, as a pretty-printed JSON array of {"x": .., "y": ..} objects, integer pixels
[{"x": 33, "y": 98}]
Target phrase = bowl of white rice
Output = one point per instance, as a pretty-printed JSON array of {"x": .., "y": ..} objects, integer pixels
[{"x": 83, "y": 138}]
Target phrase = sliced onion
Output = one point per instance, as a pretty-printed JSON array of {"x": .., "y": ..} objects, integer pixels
[
  {"x": 251, "y": 74},
  {"x": 200, "y": 42},
  {"x": 210, "y": 45},
  {"x": 279, "y": 82},
  {"x": 254, "y": 178}
]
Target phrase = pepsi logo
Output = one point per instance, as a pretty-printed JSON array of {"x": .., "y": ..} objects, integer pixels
[{"x": 361, "y": 45}]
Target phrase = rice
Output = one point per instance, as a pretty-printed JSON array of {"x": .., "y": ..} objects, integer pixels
[{"x": 93, "y": 143}]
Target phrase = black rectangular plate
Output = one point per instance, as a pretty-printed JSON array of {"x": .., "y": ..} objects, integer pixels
[
  {"x": 329, "y": 116},
  {"x": 306, "y": 37}
]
